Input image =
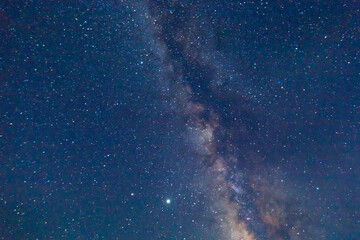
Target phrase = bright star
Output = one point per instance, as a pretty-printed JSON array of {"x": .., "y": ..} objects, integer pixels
[{"x": 168, "y": 201}]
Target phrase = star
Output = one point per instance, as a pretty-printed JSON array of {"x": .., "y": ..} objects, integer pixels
[{"x": 168, "y": 201}]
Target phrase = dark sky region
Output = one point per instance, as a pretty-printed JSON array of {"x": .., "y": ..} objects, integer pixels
[{"x": 180, "y": 120}]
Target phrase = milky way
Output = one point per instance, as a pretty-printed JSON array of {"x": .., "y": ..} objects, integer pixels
[
  {"x": 212, "y": 120},
  {"x": 216, "y": 120},
  {"x": 252, "y": 201}
]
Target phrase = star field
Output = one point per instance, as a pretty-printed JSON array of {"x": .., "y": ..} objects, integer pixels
[{"x": 213, "y": 120}]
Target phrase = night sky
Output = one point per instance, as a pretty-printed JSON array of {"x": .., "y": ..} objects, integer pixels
[{"x": 180, "y": 120}]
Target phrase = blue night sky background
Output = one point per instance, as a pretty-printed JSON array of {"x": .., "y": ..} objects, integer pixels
[{"x": 214, "y": 120}]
